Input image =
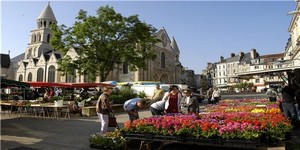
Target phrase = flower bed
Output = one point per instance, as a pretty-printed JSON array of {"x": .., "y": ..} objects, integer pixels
[{"x": 239, "y": 120}]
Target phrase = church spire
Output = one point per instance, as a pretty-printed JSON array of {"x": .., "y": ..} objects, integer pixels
[{"x": 46, "y": 18}]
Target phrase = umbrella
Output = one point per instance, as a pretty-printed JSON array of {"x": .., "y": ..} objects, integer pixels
[
  {"x": 13, "y": 83},
  {"x": 110, "y": 82}
]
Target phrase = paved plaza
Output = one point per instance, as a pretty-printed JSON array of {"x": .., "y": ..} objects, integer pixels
[{"x": 48, "y": 134}]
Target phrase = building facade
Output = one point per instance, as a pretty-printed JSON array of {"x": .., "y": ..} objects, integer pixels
[{"x": 39, "y": 61}]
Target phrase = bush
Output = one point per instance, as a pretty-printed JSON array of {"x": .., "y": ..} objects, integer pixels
[
  {"x": 142, "y": 94},
  {"x": 122, "y": 95}
]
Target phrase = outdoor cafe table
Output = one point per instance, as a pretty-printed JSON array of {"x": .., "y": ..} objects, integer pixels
[{"x": 51, "y": 110}]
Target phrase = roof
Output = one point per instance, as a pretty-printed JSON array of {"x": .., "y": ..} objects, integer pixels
[
  {"x": 174, "y": 45},
  {"x": 18, "y": 58},
  {"x": 47, "y": 14},
  {"x": 5, "y": 61}
]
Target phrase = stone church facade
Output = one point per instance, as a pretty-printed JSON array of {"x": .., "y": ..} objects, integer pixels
[{"x": 39, "y": 62}]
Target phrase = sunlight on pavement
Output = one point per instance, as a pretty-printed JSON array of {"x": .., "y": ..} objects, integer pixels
[{"x": 21, "y": 140}]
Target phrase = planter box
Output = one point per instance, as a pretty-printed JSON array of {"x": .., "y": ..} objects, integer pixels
[
  {"x": 219, "y": 142},
  {"x": 89, "y": 111}
]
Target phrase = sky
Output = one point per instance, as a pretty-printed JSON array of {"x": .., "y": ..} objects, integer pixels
[{"x": 204, "y": 30}]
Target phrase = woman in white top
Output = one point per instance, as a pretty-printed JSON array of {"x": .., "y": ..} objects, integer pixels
[
  {"x": 216, "y": 95},
  {"x": 172, "y": 98}
]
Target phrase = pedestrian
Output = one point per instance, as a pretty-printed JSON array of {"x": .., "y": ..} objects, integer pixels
[
  {"x": 288, "y": 100},
  {"x": 297, "y": 99},
  {"x": 272, "y": 94},
  {"x": 158, "y": 108},
  {"x": 189, "y": 103},
  {"x": 216, "y": 95},
  {"x": 103, "y": 108},
  {"x": 172, "y": 98},
  {"x": 157, "y": 94},
  {"x": 131, "y": 106},
  {"x": 209, "y": 95}
]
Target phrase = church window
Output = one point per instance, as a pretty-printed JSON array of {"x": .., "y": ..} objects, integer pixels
[
  {"x": 51, "y": 74},
  {"x": 20, "y": 77},
  {"x": 34, "y": 38},
  {"x": 163, "y": 60},
  {"x": 125, "y": 67},
  {"x": 29, "y": 78},
  {"x": 41, "y": 24},
  {"x": 29, "y": 52},
  {"x": 86, "y": 79},
  {"x": 39, "y": 38},
  {"x": 48, "y": 38},
  {"x": 44, "y": 24},
  {"x": 70, "y": 78},
  {"x": 40, "y": 75}
]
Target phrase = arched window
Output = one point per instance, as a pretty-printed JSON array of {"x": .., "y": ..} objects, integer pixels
[
  {"x": 70, "y": 78},
  {"x": 51, "y": 74},
  {"x": 34, "y": 38},
  {"x": 29, "y": 77},
  {"x": 163, "y": 60},
  {"x": 29, "y": 53},
  {"x": 125, "y": 67},
  {"x": 48, "y": 38},
  {"x": 40, "y": 37},
  {"x": 20, "y": 77},
  {"x": 86, "y": 79},
  {"x": 40, "y": 75},
  {"x": 44, "y": 24}
]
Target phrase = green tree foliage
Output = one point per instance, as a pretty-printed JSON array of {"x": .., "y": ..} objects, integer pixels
[
  {"x": 103, "y": 42},
  {"x": 243, "y": 85}
]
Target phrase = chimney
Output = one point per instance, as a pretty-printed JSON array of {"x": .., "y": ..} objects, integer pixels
[
  {"x": 221, "y": 59},
  {"x": 241, "y": 55},
  {"x": 232, "y": 54},
  {"x": 253, "y": 53}
]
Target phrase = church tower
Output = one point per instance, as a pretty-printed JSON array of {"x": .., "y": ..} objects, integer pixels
[
  {"x": 40, "y": 37},
  {"x": 39, "y": 61}
]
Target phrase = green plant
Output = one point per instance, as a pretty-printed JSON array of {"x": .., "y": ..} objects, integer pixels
[
  {"x": 122, "y": 95},
  {"x": 142, "y": 94},
  {"x": 110, "y": 140}
]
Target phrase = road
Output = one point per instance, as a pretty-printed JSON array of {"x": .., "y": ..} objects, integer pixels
[{"x": 26, "y": 133}]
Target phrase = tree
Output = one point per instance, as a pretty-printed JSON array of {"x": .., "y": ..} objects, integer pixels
[{"x": 103, "y": 42}]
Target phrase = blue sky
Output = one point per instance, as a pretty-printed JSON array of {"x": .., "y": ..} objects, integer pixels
[{"x": 204, "y": 30}]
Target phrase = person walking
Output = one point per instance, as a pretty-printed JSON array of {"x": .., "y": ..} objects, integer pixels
[
  {"x": 157, "y": 94},
  {"x": 209, "y": 95},
  {"x": 189, "y": 103},
  {"x": 172, "y": 98},
  {"x": 272, "y": 94},
  {"x": 158, "y": 108},
  {"x": 131, "y": 106},
  {"x": 103, "y": 108},
  {"x": 288, "y": 100},
  {"x": 216, "y": 95}
]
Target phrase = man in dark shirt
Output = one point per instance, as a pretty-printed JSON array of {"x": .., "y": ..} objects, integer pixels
[{"x": 288, "y": 101}]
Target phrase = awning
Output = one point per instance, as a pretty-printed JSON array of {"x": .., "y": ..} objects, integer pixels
[
  {"x": 268, "y": 71},
  {"x": 82, "y": 85},
  {"x": 70, "y": 85},
  {"x": 47, "y": 84},
  {"x": 13, "y": 83}
]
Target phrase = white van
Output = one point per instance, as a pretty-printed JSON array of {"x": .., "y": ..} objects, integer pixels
[{"x": 148, "y": 89}]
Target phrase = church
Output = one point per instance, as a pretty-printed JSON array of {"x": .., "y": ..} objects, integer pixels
[{"x": 39, "y": 61}]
